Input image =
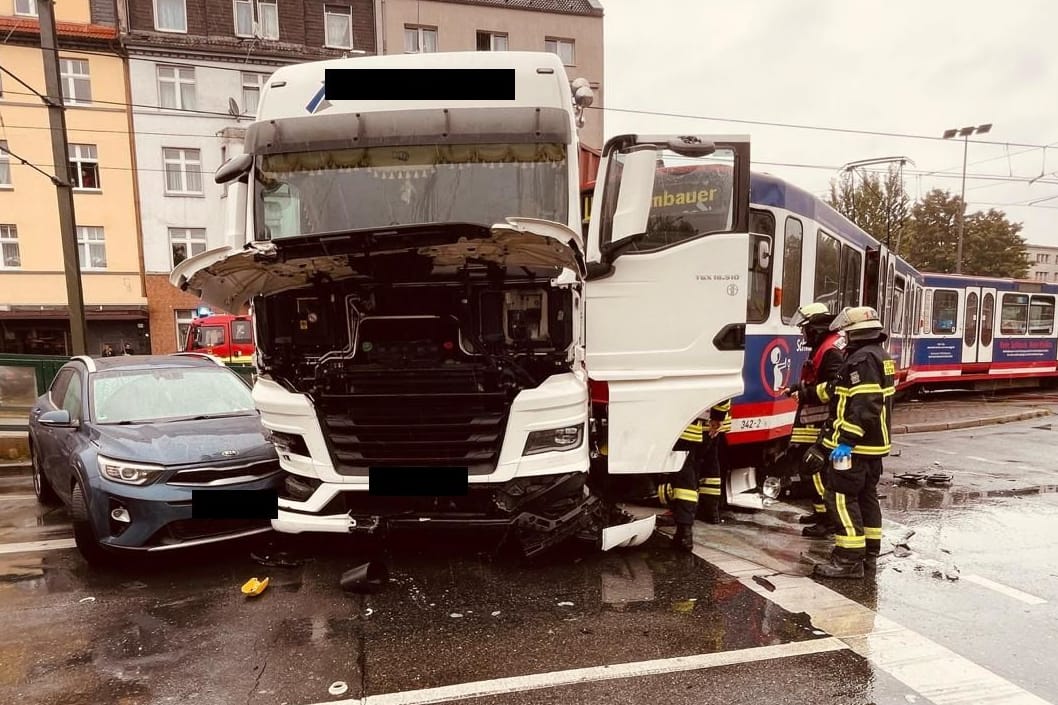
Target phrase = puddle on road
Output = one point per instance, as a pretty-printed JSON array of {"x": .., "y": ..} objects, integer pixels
[{"x": 910, "y": 497}]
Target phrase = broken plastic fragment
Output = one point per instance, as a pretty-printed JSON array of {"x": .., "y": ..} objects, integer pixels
[
  {"x": 337, "y": 688},
  {"x": 84, "y": 600},
  {"x": 565, "y": 604},
  {"x": 254, "y": 587},
  {"x": 455, "y": 615},
  {"x": 633, "y": 533}
]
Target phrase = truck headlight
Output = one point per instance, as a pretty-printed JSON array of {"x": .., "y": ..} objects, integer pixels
[
  {"x": 565, "y": 438},
  {"x": 128, "y": 473}
]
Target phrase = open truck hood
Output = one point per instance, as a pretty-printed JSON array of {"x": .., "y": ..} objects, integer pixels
[{"x": 227, "y": 278}]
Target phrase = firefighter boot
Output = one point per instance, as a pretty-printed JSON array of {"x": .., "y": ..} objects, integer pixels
[
  {"x": 840, "y": 566},
  {"x": 709, "y": 509},
  {"x": 684, "y": 537},
  {"x": 870, "y": 561},
  {"x": 821, "y": 530}
]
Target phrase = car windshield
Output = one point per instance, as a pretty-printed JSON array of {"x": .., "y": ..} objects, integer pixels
[
  {"x": 168, "y": 393},
  {"x": 304, "y": 193}
]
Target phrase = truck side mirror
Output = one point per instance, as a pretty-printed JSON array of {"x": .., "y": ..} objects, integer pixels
[{"x": 235, "y": 168}]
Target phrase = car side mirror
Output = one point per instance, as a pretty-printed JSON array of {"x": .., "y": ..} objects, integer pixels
[{"x": 59, "y": 417}]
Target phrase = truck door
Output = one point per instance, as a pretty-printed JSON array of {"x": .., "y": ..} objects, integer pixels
[{"x": 666, "y": 289}]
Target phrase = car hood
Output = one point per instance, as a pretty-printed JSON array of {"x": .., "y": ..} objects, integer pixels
[
  {"x": 187, "y": 442},
  {"x": 228, "y": 277}
]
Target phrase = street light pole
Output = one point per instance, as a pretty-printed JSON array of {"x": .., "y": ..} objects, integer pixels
[{"x": 965, "y": 133}]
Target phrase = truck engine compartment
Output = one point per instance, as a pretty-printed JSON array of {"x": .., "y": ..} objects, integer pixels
[{"x": 413, "y": 368}]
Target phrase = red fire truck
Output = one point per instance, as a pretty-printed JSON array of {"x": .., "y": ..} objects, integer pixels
[{"x": 227, "y": 337}]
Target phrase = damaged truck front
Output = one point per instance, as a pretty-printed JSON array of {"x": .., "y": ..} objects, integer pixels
[{"x": 422, "y": 299}]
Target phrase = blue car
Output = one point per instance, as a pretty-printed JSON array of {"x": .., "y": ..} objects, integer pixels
[{"x": 151, "y": 453}]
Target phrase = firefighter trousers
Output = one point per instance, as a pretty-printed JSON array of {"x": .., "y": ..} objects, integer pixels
[
  {"x": 681, "y": 492},
  {"x": 852, "y": 497},
  {"x": 710, "y": 484},
  {"x": 818, "y": 479}
]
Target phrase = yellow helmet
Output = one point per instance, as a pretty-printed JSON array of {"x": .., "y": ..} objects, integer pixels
[{"x": 857, "y": 318}]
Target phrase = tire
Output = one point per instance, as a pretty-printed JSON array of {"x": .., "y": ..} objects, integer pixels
[
  {"x": 41, "y": 486},
  {"x": 94, "y": 553}
]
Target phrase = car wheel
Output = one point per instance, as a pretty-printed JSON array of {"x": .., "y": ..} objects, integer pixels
[
  {"x": 41, "y": 486},
  {"x": 83, "y": 534}
]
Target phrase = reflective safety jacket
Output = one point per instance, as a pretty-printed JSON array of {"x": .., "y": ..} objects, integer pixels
[
  {"x": 822, "y": 366},
  {"x": 861, "y": 400}
]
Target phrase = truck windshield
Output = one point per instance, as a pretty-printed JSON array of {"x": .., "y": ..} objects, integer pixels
[{"x": 305, "y": 193}]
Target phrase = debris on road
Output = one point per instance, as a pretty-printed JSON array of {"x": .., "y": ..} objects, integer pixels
[
  {"x": 254, "y": 587},
  {"x": 279, "y": 559},
  {"x": 86, "y": 600},
  {"x": 338, "y": 688},
  {"x": 365, "y": 578}
]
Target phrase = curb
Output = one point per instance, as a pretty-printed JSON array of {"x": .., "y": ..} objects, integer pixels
[
  {"x": 969, "y": 423},
  {"x": 19, "y": 469}
]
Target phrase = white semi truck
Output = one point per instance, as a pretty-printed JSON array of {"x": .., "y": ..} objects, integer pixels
[{"x": 429, "y": 317}]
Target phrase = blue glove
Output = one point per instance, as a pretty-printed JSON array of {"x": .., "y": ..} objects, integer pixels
[{"x": 842, "y": 451}]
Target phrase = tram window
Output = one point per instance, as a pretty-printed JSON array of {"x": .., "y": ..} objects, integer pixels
[
  {"x": 945, "y": 311},
  {"x": 791, "y": 269},
  {"x": 828, "y": 271},
  {"x": 970, "y": 334},
  {"x": 758, "y": 303},
  {"x": 1014, "y": 314},
  {"x": 1041, "y": 315},
  {"x": 988, "y": 309},
  {"x": 851, "y": 276}
]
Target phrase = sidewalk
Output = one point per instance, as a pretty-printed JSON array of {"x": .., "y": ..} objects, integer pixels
[{"x": 921, "y": 417}]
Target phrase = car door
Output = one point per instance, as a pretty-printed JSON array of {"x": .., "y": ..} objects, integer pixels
[
  {"x": 68, "y": 439},
  {"x": 666, "y": 289},
  {"x": 44, "y": 438}
]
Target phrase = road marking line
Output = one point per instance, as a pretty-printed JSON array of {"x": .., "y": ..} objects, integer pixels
[
  {"x": 30, "y": 546},
  {"x": 934, "y": 671},
  {"x": 985, "y": 460},
  {"x": 1005, "y": 590},
  {"x": 576, "y": 676}
]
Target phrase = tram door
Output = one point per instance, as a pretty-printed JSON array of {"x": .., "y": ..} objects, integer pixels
[{"x": 979, "y": 328}]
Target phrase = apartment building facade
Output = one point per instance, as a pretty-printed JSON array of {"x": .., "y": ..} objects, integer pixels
[
  {"x": 34, "y": 315},
  {"x": 196, "y": 70},
  {"x": 573, "y": 29},
  {"x": 1043, "y": 262}
]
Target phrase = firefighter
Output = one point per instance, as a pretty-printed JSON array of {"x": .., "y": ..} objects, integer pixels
[
  {"x": 826, "y": 357},
  {"x": 681, "y": 494},
  {"x": 714, "y": 455},
  {"x": 861, "y": 411}
]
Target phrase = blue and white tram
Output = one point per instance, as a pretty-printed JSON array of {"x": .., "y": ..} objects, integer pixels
[{"x": 985, "y": 333}]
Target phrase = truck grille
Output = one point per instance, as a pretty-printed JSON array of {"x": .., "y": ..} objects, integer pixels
[{"x": 414, "y": 418}]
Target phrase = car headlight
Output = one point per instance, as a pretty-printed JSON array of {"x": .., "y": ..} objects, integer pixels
[
  {"x": 565, "y": 438},
  {"x": 128, "y": 473}
]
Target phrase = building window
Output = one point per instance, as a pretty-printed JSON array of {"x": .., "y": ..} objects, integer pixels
[
  {"x": 562, "y": 47},
  {"x": 419, "y": 40},
  {"x": 170, "y": 16},
  {"x": 76, "y": 86},
  {"x": 268, "y": 19},
  {"x": 84, "y": 167},
  {"x": 338, "y": 26},
  {"x": 9, "y": 255},
  {"x": 243, "y": 18},
  {"x": 186, "y": 242},
  {"x": 252, "y": 83},
  {"x": 5, "y": 164},
  {"x": 91, "y": 247},
  {"x": 1041, "y": 276},
  {"x": 184, "y": 319},
  {"x": 492, "y": 41},
  {"x": 176, "y": 87},
  {"x": 26, "y": 7},
  {"x": 183, "y": 171}
]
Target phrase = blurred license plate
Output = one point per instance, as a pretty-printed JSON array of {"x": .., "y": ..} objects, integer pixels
[
  {"x": 419, "y": 482},
  {"x": 234, "y": 504}
]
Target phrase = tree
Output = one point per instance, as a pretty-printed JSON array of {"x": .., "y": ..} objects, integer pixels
[
  {"x": 991, "y": 243},
  {"x": 880, "y": 206}
]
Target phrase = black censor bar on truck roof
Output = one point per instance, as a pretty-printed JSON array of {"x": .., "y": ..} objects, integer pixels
[{"x": 418, "y": 84}]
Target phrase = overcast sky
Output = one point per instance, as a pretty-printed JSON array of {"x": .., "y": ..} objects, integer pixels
[{"x": 912, "y": 67}]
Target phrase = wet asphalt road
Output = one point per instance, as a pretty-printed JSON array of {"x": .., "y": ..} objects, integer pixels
[{"x": 979, "y": 578}]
